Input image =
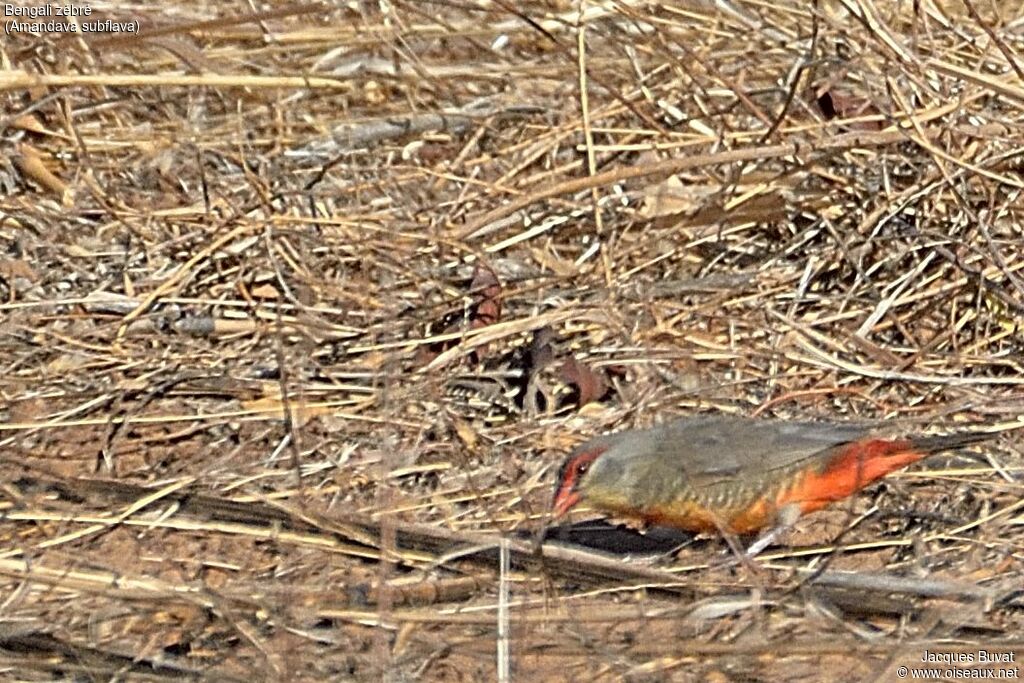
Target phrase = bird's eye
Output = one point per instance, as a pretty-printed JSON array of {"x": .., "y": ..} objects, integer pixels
[{"x": 582, "y": 468}]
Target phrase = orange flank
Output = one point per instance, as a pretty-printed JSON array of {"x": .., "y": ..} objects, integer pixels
[{"x": 853, "y": 468}]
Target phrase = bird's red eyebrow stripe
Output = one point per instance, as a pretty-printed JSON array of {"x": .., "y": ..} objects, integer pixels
[{"x": 568, "y": 477}]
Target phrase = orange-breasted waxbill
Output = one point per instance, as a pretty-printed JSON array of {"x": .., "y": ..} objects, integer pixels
[{"x": 734, "y": 474}]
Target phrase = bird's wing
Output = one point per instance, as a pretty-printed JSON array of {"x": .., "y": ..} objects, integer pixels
[{"x": 710, "y": 449}]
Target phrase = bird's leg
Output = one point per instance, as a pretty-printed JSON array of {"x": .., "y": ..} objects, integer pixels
[
  {"x": 670, "y": 556},
  {"x": 737, "y": 550},
  {"x": 784, "y": 521}
]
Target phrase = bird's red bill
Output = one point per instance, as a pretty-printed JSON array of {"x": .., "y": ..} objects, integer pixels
[{"x": 565, "y": 499}]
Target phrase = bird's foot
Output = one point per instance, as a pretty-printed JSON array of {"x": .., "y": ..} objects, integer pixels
[
  {"x": 784, "y": 521},
  {"x": 763, "y": 541}
]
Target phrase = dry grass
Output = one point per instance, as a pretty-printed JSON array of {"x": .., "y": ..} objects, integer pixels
[{"x": 252, "y": 413}]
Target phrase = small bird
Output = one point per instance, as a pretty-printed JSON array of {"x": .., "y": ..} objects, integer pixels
[{"x": 734, "y": 474}]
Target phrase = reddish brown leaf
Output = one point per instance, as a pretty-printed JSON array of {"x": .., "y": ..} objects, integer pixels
[
  {"x": 843, "y": 105},
  {"x": 487, "y": 291},
  {"x": 541, "y": 352},
  {"x": 485, "y": 310},
  {"x": 591, "y": 384}
]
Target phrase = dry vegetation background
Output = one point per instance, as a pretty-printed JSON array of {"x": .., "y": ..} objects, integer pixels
[{"x": 301, "y": 308}]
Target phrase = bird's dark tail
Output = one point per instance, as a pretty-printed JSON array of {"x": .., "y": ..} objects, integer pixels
[{"x": 948, "y": 442}]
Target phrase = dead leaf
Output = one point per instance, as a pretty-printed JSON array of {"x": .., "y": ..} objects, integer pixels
[
  {"x": 30, "y": 162},
  {"x": 530, "y": 392},
  {"x": 541, "y": 352},
  {"x": 558, "y": 266},
  {"x": 13, "y": 268},
  {"x": 591, "y": 385},
  {"x": 466, "y": 433},
  {"x": 672, "y": 196},
  {"x": 264, "y": 292},
  {"x": 485, "y": 288},
  {"x": 834, "y": 103},
  {"x": 30, "y": 123}
]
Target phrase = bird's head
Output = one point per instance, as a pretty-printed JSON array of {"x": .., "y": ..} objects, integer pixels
[{"x": 594, "y": 474}]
